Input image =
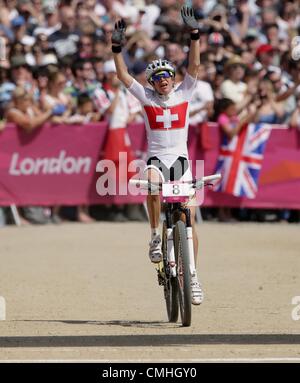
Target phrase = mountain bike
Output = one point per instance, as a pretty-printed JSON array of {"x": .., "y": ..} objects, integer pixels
[{"x": 178, "y": 265}]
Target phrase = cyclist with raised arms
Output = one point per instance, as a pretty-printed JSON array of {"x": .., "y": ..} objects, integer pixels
[{"x": 166, "y": 113}]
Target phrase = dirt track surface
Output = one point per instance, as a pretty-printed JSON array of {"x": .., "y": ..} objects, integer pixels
[{"x": 89, "y": 292}]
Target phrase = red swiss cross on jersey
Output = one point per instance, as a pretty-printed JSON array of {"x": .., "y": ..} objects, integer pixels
[{"x": 173, "y": 117}]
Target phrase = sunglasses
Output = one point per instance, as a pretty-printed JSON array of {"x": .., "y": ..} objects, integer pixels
[{"x": 158, "y": 77}]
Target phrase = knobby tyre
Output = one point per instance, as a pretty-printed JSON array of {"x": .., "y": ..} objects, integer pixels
[
  {"x": 170, "y": 286},
  {"x": 183, "y": 273}
]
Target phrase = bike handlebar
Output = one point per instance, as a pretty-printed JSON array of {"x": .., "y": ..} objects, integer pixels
[
  {"x": 212, "y": 177},
  {"x": 197, "y": 184}
]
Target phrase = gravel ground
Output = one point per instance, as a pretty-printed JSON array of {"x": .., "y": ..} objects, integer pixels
[{"x": 89, "y": 292}]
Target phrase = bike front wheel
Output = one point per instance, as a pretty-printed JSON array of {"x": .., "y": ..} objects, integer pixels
[{"x": 183, "y": 273}]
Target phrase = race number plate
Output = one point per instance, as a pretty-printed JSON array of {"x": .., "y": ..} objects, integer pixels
[{"x": 176, "y": 190}]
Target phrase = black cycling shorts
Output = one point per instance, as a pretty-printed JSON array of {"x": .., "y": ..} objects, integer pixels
[{"x": 175, "y": 172}]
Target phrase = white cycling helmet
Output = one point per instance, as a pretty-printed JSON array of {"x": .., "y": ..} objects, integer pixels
[{"x": 159, "y": 65}]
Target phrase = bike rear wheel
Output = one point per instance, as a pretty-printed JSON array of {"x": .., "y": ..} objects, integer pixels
[
  {"x": 170, "y": 285},
  {"x": 183, "y": 273}
]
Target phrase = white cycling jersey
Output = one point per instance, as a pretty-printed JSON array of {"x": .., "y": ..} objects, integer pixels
[{"x": 166, "y": 119}]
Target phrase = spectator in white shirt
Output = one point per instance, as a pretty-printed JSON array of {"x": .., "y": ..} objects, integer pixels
[{"x": 234, "y": 87}]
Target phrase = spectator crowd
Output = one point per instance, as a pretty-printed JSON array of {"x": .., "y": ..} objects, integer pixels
[{"x": 58, "y": 65}]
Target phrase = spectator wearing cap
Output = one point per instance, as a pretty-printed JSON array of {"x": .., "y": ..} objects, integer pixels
[
  {"x": 19, "y": 28},
  {"x": 265, "y": 55},
  {"x": 65, "y": 39},
  {"x": 234, "y": 88}
]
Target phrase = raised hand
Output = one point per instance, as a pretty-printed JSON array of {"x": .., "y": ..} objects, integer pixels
[
  {"x": 188, "y": 17},
  {"x": 118, "y": 35}
]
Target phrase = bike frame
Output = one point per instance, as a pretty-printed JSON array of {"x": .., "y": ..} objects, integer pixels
[{"x": 171, "y": 210}]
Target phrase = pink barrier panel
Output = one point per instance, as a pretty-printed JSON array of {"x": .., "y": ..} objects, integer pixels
[
  {"x": 279, "y": 183},
  {"x": 53, "y": 165},
  {"x": 57, "y": 165}
]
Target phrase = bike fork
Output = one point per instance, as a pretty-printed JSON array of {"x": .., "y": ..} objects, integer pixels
[
  {"x": 170, "y": 246},
  {"x": 189, "y": 234}
]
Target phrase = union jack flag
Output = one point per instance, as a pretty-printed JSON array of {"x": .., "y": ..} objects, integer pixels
[{"x": 240, "y": 160}]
